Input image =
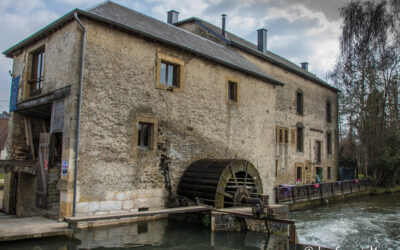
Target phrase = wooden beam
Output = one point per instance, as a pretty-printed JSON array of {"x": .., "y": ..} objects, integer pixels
[
  {"x": 177, "y": 210},
  {"x": 29, "y": 138}
]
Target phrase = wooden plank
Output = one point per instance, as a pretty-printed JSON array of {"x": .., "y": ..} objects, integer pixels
[
  {"x": 29, "y": 138},
  {"x": 177, "y": 210},
  {"x": 244, "y": 215},
  {"x": 41, "y": 188}
]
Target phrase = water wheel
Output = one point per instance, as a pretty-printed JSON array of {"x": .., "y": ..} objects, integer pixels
[{"x": 221, "y": 183}]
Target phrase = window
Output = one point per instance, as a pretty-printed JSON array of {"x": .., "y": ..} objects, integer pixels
[
  {"x": 318, "y": 153},
  {"x": 37, "y": 72},
  {"x": 232, "y": 91},
  {"x": 276, "y": 168},
  {"x": 144, "y": 135},
  {"x": 298, "y": 175},
  {"x": 170, "y": 71},
  {"x": 299, "y": 139},
  {"x": 286, "y": 135},
  {"x": 328, "y": 111},
  {"x": 329, "y": 173},
  {"x": 169, "y": 74},
  {"x": 280, "y": 135},
  {"x": 329, "y": 143},
  {"x": 299, "y": 101}
]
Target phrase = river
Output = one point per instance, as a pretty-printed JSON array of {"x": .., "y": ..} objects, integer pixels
[
  {"x": 351, "y": 224},
  {"x": 355, "y": 223}
]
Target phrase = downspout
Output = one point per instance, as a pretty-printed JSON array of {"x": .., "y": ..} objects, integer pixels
[
  {"x": 78, "y": 120},
  {"x": 338, "y": 135}
]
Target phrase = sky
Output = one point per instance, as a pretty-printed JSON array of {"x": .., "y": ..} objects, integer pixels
[{"x": 299, "y": 30}]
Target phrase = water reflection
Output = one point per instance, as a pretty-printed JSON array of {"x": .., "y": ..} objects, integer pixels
[{"x": 161, "y": 234}]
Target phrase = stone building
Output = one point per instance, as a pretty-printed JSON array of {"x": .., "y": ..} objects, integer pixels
[{"x": 140, "y": 100}]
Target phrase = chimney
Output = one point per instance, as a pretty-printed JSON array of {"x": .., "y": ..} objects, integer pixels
[
  {"x": 223, "y": 25},
  {"x": 304, "y": 65},
  {"x": 262, "y": 40},
  {"x": 172, "y": 16}
]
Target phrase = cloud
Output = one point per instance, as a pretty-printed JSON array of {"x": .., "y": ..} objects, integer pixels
[{"x": 299, "y": 30}]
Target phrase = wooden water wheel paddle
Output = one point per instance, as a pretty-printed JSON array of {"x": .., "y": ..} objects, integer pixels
[{"x": 220, "y": 182}]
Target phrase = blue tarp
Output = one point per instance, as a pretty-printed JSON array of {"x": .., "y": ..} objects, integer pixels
[{"x": 14, "y": 93}]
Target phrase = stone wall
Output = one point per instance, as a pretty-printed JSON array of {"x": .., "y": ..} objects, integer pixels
[
  {"x": 193, "y": 124},
  {"x": 313, "y": 119},
  {"x": 62, "y": 53}
]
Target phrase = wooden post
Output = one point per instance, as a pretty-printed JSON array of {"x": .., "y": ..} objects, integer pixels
[{"x": 293, "y": 235}]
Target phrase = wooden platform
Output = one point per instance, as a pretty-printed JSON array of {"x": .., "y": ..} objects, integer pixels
[
  {"x": 164, "y": 211},
  {"x": 31, "y": 227}
]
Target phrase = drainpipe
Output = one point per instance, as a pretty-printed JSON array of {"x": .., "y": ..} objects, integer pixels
[{"x": 78, "y": 120}]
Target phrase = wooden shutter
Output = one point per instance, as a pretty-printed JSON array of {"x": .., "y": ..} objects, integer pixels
[{"x": 41, "y": 186}]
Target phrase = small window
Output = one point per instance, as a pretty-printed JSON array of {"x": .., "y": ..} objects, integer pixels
[
  {"x": 328, "y": 111},
  {"x": 329, "y": 173},
  {"x": 298, "y": 175},
  {"x": 232, "y": 91},
  {"x": 329, "y": 143},
  {"x": 37, "y": 72},
  {"x": 299, "y": 139},
  {"x": 318, "y": 153},
  {"x": 169, "y": 74},
  {"x": 276, "y": 168},
  {"x": 299, "y": 101},
  {"x": 144, "y": 135},
  {"x": 286, "y": 136},
  {"x": 280, "y": 135}
]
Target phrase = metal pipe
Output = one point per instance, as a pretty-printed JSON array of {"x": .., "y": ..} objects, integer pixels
[
  {"x": 223, "y": 25},
  {"x": 78, "y": 120}
]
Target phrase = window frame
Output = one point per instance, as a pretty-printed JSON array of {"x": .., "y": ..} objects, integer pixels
[
  {"x": 301, "y": 141},
  {"x": 297, "y": 173},
  {"x": 329, "y": 173},
  {"x": 299, "y": 103},
  {"x": 318, "y": 153},
  {"x": 229, "y": 81},
  {"x": 152, "y": 141},
  {"x": 329, "y": 143},
  {"x": 28, "y": 77},
  {"x": 328, "y": 110},
  {"x": 179, "y": 76}
]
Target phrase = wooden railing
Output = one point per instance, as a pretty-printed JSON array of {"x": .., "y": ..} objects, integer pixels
[{"x": 298, "y": 193}]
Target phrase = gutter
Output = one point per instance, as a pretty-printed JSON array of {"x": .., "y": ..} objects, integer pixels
[{"x": 78, "y": 120}]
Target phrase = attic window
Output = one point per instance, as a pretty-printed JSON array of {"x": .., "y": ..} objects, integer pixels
[
  {"x": 170, "y": 72},
  {"x": 232, "y": 91},
  {"x": 299, "y": 102}
]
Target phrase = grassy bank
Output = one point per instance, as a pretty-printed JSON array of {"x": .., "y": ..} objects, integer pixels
[{"x": 383, "y": 190}]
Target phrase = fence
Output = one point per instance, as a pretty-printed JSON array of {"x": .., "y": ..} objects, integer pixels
[{"x": 298, "y": 193}]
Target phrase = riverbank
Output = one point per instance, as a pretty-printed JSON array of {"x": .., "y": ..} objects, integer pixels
[{"x": 383, "y": 190}]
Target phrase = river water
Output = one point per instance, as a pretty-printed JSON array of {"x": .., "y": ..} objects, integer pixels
[
  {"x": 351, "y": 224},
  {"x": 355, "y": 223}
]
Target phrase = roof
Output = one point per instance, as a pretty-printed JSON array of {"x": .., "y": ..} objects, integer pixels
[
  {"x": 253, "y": 49},
  {"x": 3, "y": 132},
  {"x": 130, "y": 20}
]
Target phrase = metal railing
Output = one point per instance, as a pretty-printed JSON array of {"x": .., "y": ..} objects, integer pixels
[{"x": 297, "y": 193}]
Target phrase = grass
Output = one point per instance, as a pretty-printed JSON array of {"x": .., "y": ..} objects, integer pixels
[
  {"x": 383, "y": 190},
  {"x": 1, "y": 176}
]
